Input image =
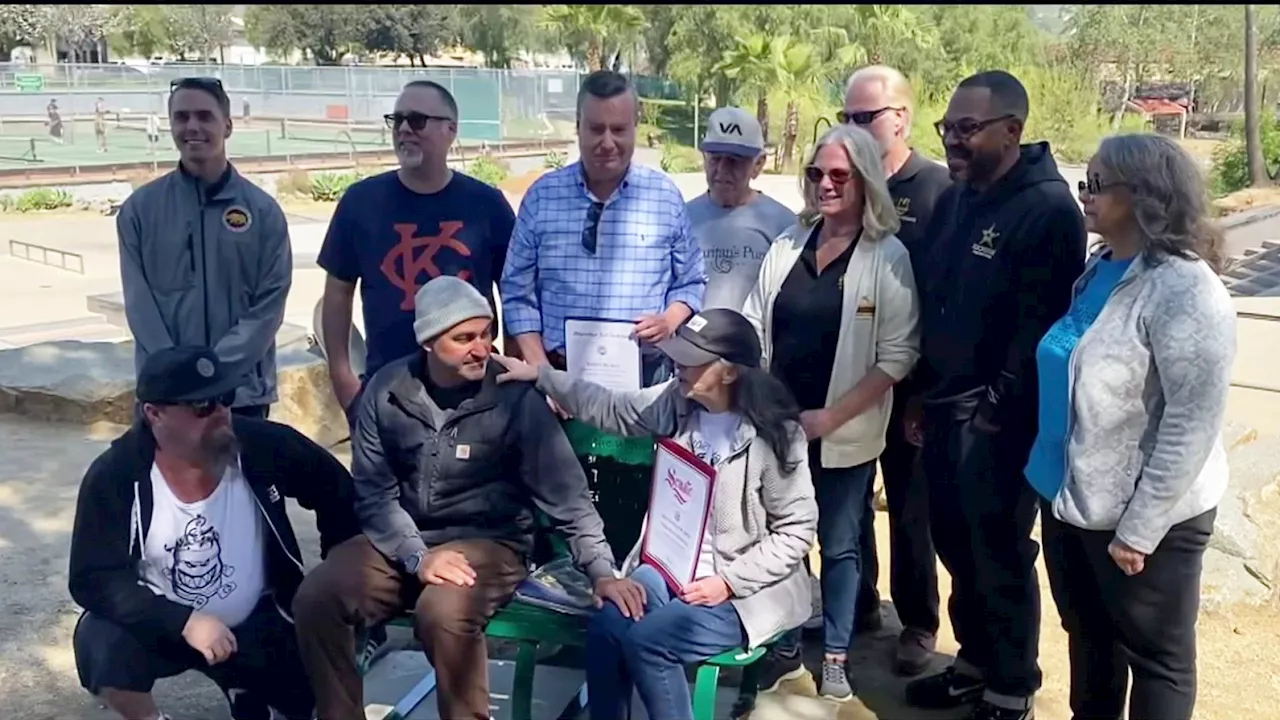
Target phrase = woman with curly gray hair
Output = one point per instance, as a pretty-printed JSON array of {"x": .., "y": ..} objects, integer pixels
[{"x": 1128, "y": 459}]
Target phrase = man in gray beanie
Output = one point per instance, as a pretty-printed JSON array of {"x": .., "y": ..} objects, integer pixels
[{"x": 450, "y": 469}]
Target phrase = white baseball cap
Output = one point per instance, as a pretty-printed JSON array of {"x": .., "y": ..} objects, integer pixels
[{"x": 733, "y": 131}]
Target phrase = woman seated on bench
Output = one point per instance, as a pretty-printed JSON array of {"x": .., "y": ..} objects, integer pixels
[{"x": 750, "y": 585}]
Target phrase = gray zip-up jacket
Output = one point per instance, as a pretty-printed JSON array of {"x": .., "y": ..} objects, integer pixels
[
  {"x": 1148, "y": 388},
  {"x": 207, "y": 264},
  {"x": 764, "y": 520}
]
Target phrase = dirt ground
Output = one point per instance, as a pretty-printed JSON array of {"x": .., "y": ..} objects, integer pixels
[{"x": 1240, "y": 675}]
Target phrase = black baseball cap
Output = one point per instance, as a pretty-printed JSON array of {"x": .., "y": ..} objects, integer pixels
[
  {"x": 716, "y": 334},
  {"x": 184, "y": 374}
]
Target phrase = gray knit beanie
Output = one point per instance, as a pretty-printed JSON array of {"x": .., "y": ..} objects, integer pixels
[{"x": 444, "y": 302}]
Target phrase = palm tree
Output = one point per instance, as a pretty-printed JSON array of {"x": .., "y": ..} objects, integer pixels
[
  {"x": 1252, "y": 116},
  {"x": 593, "y": 30},
  {"x": 802, "y": 76},
  {"x": 753, "y": 65}
]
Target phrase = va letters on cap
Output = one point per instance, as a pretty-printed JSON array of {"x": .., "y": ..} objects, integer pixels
[{"x": 731, "y": 129}]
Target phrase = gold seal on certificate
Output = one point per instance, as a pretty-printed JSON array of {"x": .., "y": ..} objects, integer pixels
[
  {"x": 679, "y": 508},
  {"x": 604, "y": 352}
]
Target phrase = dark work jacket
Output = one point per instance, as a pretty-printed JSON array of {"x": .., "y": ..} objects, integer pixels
[
  {"x": 113, "y": 516},
  {"x": 997, "y": 273},
  {"x": 480, "y": 474}
]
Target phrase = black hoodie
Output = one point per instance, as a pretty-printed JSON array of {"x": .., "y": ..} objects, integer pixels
[
  {"x": 113, "y": 515},
  {"x": 997, "y": 274}
]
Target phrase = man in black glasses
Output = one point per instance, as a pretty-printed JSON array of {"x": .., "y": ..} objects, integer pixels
[
  {"x": 1008, "y": 241},
  {"x": 394, "y": 232},
  {"x": 205, "y": 257},
  {"x": 880, "y": 100},
  {"x": 182, "y": 554}
]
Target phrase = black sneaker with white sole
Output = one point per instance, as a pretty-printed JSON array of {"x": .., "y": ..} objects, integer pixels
[
  {"x": 948, "y": 689},
  {"x": 986, "y": 711},
  {"x": 777, "y": 668}
]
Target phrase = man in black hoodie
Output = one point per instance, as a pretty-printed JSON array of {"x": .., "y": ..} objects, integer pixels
[
  {"x": 1006, "y": 243},
  {"x": 182, "y": 554}
]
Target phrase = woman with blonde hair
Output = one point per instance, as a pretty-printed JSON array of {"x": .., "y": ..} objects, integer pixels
[
  {"x": 1128, "y": 460},
  {"x": 836, "y": 309}
]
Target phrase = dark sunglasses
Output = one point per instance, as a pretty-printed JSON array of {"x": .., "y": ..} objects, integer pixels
[
  {"x": 814, "y": 174},
  {"x": 591, "y": 232},
  {"x": 208, "y": 84},
  {"x": 416, "y": 120},
  {"x": 1094, "y": 185},
  {"x": 862, "y": 117},
  {"x": 205, "y": 408},
  {"x": 965, "y": 128}
]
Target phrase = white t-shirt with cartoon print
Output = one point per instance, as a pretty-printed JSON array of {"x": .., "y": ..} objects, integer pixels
[
  {"x": 208, "y": 554},
  {"x": 712, "y": 441}
]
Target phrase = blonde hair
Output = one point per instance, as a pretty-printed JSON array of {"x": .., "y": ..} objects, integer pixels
[
  {"x": 879, "y": 215},
  {"x": 897, "y": 89}
]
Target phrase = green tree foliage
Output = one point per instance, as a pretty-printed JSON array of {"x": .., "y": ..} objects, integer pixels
[
  {"x": 325, "y": 32},
  {"x": 593, "y": 33},
  {"x": 413, "y": 31},
  {"x": 499, "y": 32}
]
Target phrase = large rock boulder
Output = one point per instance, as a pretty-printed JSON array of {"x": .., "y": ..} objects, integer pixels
[
  {"x": 89, "y": 382},
  {"x": 1243, "y": 560}
]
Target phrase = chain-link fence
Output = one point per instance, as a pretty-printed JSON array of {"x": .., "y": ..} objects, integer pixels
[{"x": 493, "y": 104}]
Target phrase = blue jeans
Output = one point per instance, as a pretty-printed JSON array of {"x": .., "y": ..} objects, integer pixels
[
  {"x": 842, "y": 509},
  {"x": 651, "y": 654}
]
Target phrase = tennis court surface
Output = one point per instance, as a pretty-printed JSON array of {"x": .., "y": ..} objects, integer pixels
[{"x": 26, "y": 143}]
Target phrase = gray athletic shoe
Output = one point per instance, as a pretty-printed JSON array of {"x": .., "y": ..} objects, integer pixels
[{"x": 835, "y": 682}]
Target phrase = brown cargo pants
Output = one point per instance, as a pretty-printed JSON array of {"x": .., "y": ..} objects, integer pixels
[{"x": 357, "y": 586}]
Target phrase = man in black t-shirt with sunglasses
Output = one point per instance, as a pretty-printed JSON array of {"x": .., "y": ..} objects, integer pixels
[{"x": 393, "y": 232}]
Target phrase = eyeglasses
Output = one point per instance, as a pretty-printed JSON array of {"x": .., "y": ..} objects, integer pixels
[
  {"x": 965, "y": 128},
  {"x": 1094, "y": 185},
  {"x": 416, "y": 120},
  {"x": 591, "y": 233},
  {"x": 839, "y": 176},
  {"x": 205, "y": 408},
  {"x": 863, "y": 117}
]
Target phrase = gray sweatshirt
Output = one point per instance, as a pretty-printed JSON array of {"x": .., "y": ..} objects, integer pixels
[
  {"x": 207, "y": 265},
  {"x": 1148, "y": 383}
]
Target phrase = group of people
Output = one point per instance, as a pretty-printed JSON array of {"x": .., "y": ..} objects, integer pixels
[{"x": 935, "y": 320}]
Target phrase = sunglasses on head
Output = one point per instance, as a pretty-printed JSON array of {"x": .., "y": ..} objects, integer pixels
[
  {"x": 416, "y": 120},
  {"x": 839, "y": 176},
  {"x": 208, "y": 84},
  {"x": 591, "y": 232},
  {"x": 862, "y": 117},
  {"x": 205, "y": 408}
]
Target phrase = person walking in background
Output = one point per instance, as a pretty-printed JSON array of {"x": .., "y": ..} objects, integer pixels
[
  {"x": 836, "y": 309},
  {"x": 602, "y": 238},
  {"x": 393, "y": 232},
  {"x": 100, "y": 124},
  {"x": 1008, "y": 240},
  {"x": 1126, "y": 519},
  {"x": 54, "y": 120},
  {"x": 734, "y": 224},
  {"x": 749, "y": 584},
  {"x": 205, "y": 257},
  {"x": 879, "y": 100}
]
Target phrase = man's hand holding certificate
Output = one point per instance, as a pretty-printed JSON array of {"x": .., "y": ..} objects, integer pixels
[
  {"x": 679, "y": 508},
  {"x": 604, "y": 352}
]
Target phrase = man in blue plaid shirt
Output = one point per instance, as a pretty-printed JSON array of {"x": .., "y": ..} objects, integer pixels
[{"x": 602, "y": 238}]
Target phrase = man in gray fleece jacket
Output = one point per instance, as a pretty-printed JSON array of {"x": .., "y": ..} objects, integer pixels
[
  {"x": 205, "y": 257},
  {"x": 449, "y": 470}
]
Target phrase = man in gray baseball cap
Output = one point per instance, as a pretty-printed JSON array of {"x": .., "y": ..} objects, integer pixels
[
  {"x": 450, "y": 469},
  {"x": 734, "y": 224}
]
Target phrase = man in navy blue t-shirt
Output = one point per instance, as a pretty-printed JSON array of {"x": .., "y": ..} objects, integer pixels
[{"x": 395, "y": 231}]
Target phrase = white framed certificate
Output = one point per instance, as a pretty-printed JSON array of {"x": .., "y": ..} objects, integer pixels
[
  {"x": 604, "y": 352},
  {"x": 679, "y": 508}
]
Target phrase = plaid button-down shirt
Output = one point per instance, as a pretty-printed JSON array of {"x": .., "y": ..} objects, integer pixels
[{"x": 646, "y": 256}]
